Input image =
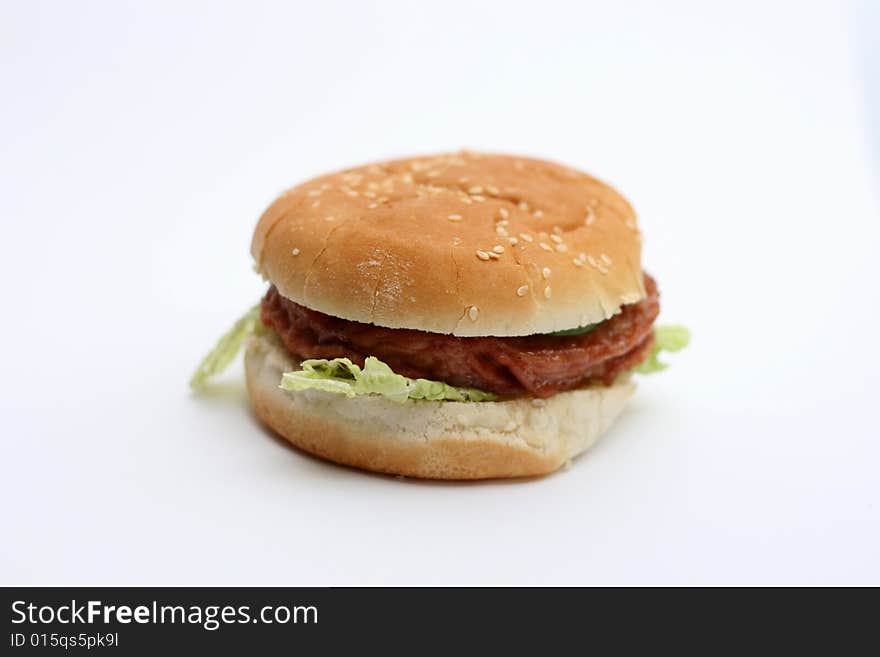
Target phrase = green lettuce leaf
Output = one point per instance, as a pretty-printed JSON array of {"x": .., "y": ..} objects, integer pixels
[
  {"x": 576, "y": 331},
  {"x": 666, "y": 338},
  {"x": 227, "y": 348},
  {"x": 342, "y": 376}
]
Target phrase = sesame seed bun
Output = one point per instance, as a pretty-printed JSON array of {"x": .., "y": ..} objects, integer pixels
[
  {"x": 428, "y": 439},
  {"x": 466, "y": 244}
]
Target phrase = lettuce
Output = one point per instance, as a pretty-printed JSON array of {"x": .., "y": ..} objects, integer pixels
[
  {"x": 342, "y": 376},
  {"x": 227, "y": 348},
  {"x": 580, "y": 330},
  {"x": 666, "y": 338}
]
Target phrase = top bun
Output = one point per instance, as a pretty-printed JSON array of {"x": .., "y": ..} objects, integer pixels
[{"x": 467, "y": 244}]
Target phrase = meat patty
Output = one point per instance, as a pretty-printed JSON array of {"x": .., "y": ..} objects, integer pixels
[{"x": 535, "y": 365}]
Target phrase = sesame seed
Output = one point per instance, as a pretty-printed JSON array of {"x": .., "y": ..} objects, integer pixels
[
  {"x": 602, "y": 270},
  {"x": 456, "y": 241},
  {"x": 526, "y": 237},
  {"x": 562, "y": 248},
  {"x": 295, "y": 251},
  {"x": 504, "y": 213},
  {"x": 476, "y": 189},
  {"x": 546, "y": 273},
  {"x": 577, "y": 263},
  {"x": 466, "y": 200},
  {"x": 513, "y": 240},
  {"x": 373, "y": 205},
  {"x": 501, "y": 231},
  {"x": 491, "y": 189},
  {"x": 482, "y": 255},
  {"x": 590, "y": 219},
  {"x": 592, "y": 261},
  {"x": 477, "y": 198},
  {"x": 545, "y": 246},
  {"x": 538, "y": 214},
  {"x": 522, "y": 290},
  {"x": 454, "y": 217},
  {"x": 556, "y": 238},
  {"x": 503, "y": 222},
  {"x": 557, "y": 230},
  {"x": 523, "y": 206},
  {"x": 369, "y": 194},
  {"x": 473, "y": 313},
  {"x": 498, "y": 248},
  {"x": 605, "y": 259},
  {"x": 582, "y": 255},
  {"x": 547, "y": 292},
  {"x": 493, "y": 255}
]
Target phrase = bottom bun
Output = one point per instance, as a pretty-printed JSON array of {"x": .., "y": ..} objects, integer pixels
[{"x": 430, "y": 439}]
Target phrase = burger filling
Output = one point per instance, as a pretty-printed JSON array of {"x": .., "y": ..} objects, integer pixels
[{"x": 535, "y": 365}]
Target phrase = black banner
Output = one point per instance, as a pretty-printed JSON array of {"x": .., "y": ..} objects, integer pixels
[{"x": 148, "y": 621}]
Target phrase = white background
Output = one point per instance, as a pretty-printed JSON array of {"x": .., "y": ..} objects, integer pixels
[{"x": 139, "y": 142}]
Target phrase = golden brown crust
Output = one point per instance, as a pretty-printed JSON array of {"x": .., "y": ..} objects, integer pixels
[
  {"x": 464, "y": 243},
  {"x": 435, "y": 440}
]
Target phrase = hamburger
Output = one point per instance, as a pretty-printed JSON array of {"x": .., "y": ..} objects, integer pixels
[{"x": 458, "y": 316}]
